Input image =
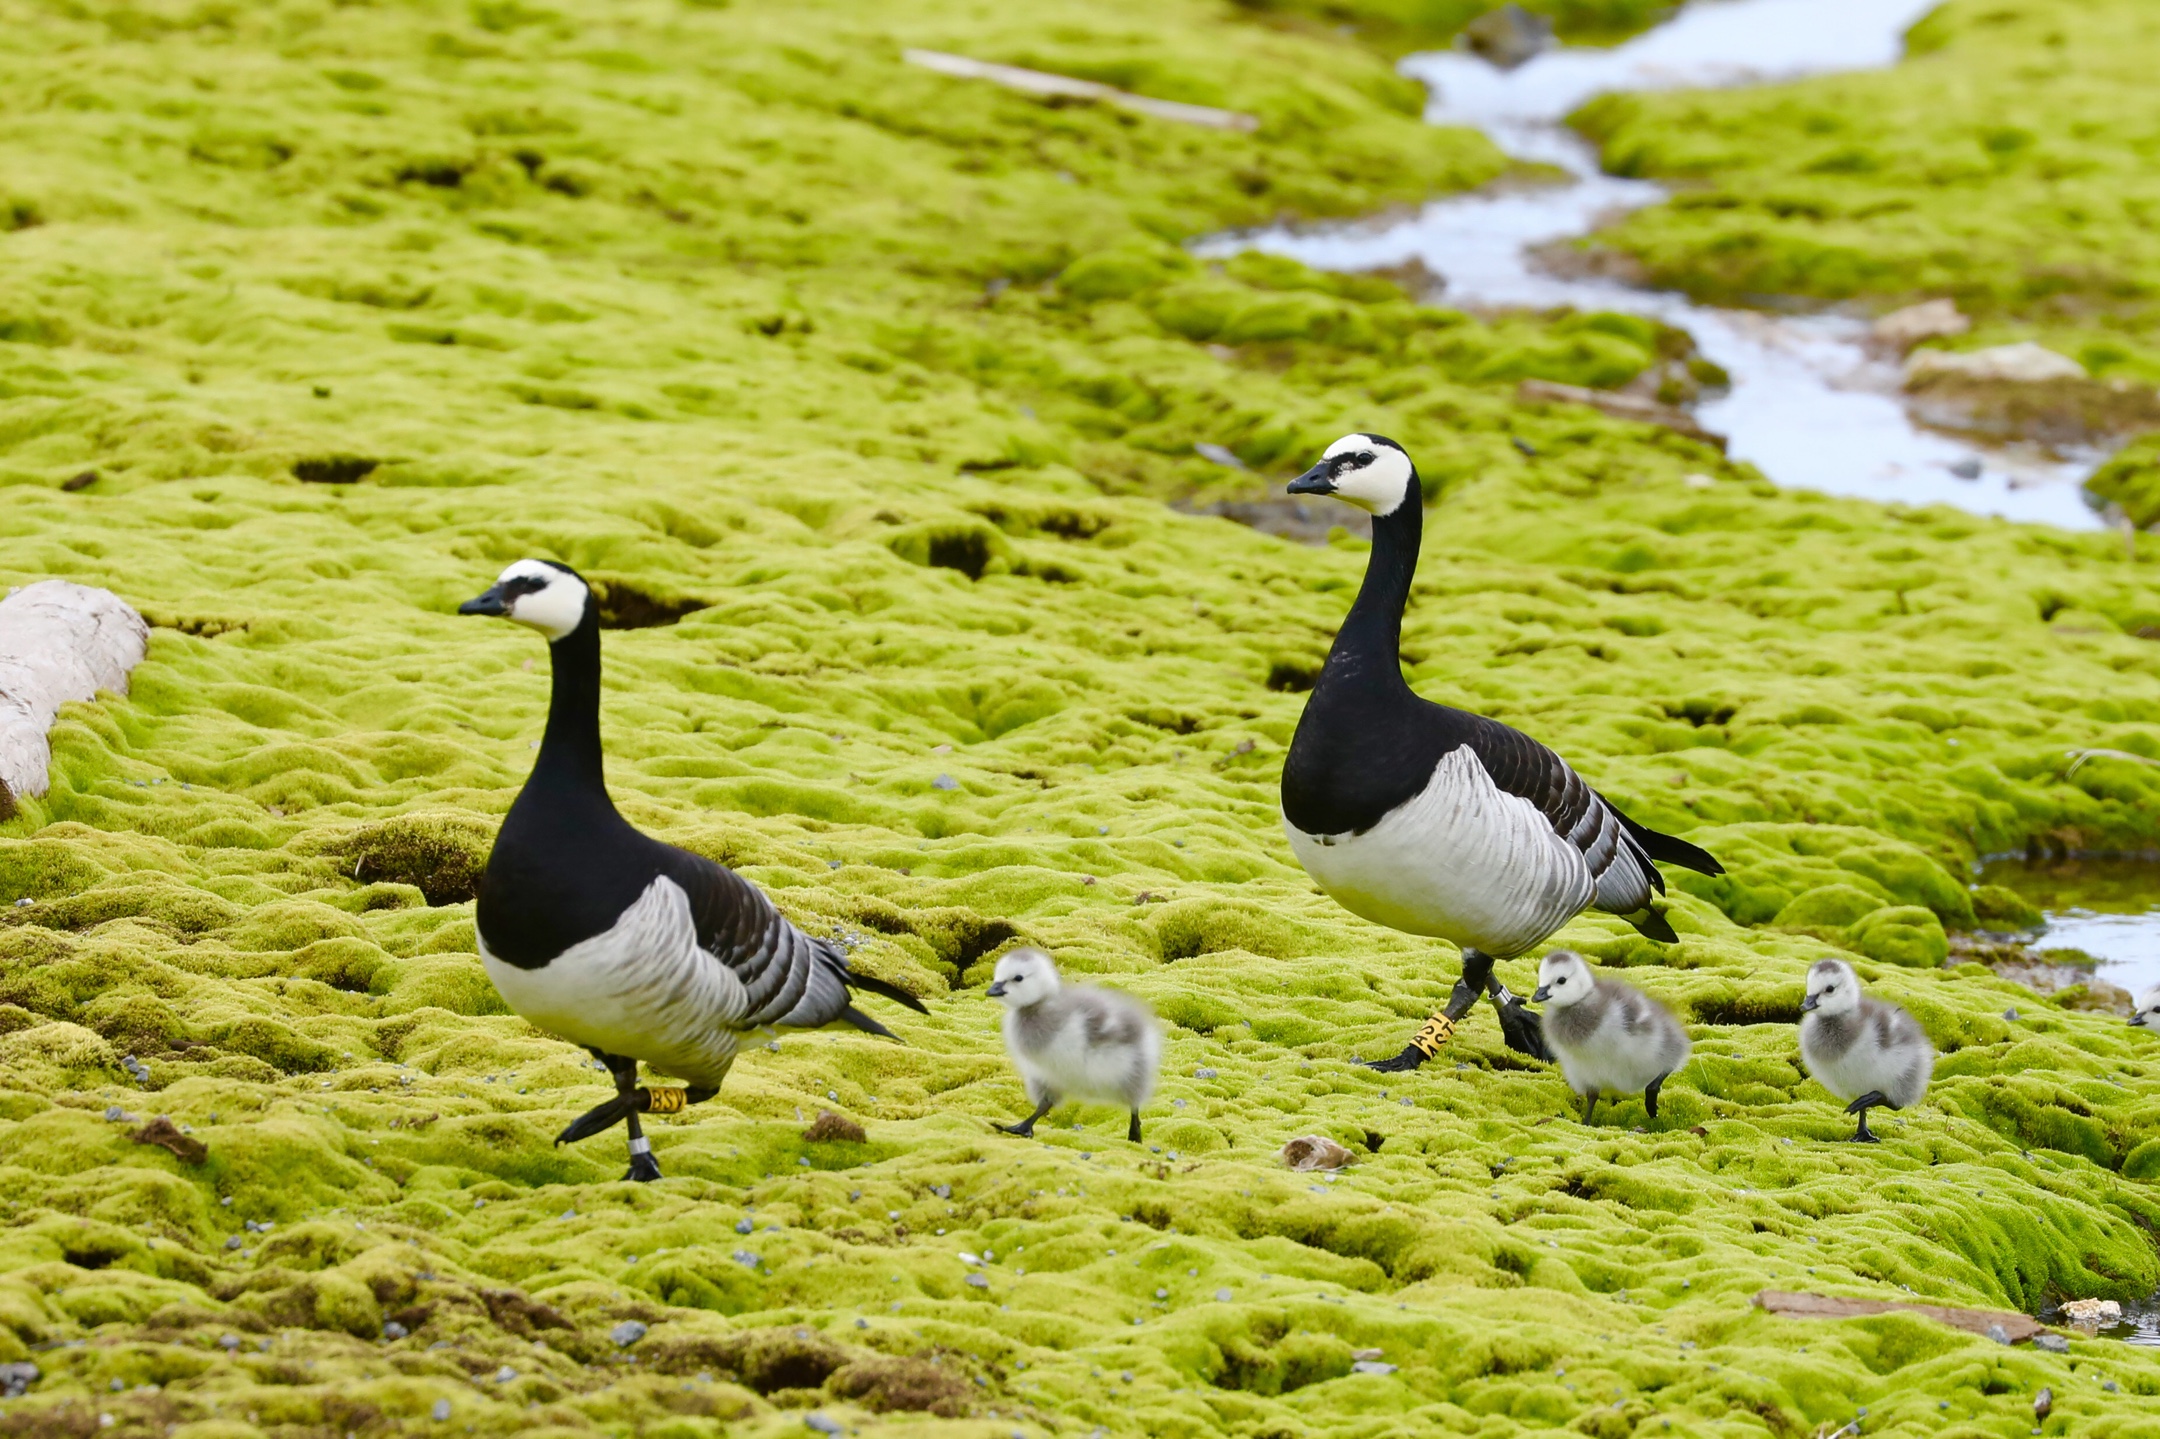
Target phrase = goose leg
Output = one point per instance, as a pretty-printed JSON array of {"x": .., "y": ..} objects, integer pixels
[
  {"x": 602, "y": 1117},
  {"x": 1861, "y": 1106},
  {"x": 1519, "y": 1024},
  {"x": 1438, "y": 1030},
  {"x": 1026, "y": 1127},
  {"x": 643, "y": 1168}
]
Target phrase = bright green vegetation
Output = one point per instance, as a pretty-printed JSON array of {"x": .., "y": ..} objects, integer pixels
[
  {"x": 2008, "y": 163},
  {"x": 828, "y": 362},
  {"x": 1399, "y": 26}
]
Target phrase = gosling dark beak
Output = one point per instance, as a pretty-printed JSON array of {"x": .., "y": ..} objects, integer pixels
[
  {"x": 2137, "y": 1021},
  {"x": 1542, "y": 993},
  {"x": 1809, "y": 1003},
  {"x": 998, "y": 989},
  {"x": 491, "y": 603},
  {"x": 1315, "y": 481}
]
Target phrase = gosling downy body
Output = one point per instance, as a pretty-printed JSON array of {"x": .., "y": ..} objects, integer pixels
[
  {"x": 1864, "y": 1050},
  {"x": 1073, "y": 1041},
  {"x": 1610, "y": 1038},
  {"x": 1435, "y": 821},
  {"x": 633, "y": 948}
]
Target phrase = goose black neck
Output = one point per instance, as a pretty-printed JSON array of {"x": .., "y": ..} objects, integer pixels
[
  {"x": 1369, "y": 645},
  {"x": 570, "y": 761}
]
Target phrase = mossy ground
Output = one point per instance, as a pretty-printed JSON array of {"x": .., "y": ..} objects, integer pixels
[
  {"x": 2006, "y": 162},
  {"x": 859, "y": 390}
]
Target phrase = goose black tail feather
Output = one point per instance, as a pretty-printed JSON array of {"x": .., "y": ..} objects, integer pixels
[
  {"x": 1670, "y": 850},
  {"x": 867, "y": 1025},
  {"x": 891, "y": 991},
  {"x": 1652, "y": 925}
]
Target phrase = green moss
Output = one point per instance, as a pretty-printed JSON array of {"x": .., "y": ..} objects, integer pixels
[
  {"x": 2000, "y": 164},
  {"x": 2130, "y": 480},
  {"x": 864, "y": 419}
]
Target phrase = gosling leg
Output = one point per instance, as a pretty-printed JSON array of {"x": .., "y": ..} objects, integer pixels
[
  {"x": 1132, "y": 1131},
  {"x": 1025, "y": 1129},
  {"x": 1589, "y": 1104},
  {"x": 1860, "y": 1106},
  {"x": 1649, "y": 1096}
]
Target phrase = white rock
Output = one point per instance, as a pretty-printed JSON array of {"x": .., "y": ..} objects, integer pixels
[
  {"x": 2024, "y": 363},
  {"x": 2092, "y": 1311},
  {"x": 1928, "y": 320},
  {"x": 58, "y": 642}
]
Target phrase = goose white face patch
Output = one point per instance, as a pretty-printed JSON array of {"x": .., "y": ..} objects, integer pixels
[
  {"x": 1374, "y": 477},
  {"x": 555, "y": 608}
]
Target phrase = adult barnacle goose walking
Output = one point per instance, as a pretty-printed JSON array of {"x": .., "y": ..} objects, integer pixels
[
  {"x": 1434, "y": 821},
  {"x": 633, "y": 948}
]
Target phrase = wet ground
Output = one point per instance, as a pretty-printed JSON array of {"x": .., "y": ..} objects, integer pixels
[
  {"x": 1810, "y": 404},
  {"x": 2109, "y": 907}
]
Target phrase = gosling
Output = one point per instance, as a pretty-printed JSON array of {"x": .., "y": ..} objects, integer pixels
[
  {"x": 1864, "y": 1050},
  {"x": 1606, "y": 1035},
  {"x": 1074, "y": 1042},
  {"x": 2147, "y": 1013}
]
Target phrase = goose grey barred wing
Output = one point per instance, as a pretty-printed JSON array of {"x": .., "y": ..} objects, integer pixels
[
  {"x": 1519, "y": 765},
  {"x": 791, "y": 979}
]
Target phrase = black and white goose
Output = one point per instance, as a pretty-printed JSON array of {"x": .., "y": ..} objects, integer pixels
[
  {"x": 630, "y": 947},
  {"x": 1434, "y": 821}
]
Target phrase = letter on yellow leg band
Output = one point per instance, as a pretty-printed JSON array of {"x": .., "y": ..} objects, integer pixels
[
  {"x": 664, "y": 1101},
  {"x": 1432, "y": 1034}
]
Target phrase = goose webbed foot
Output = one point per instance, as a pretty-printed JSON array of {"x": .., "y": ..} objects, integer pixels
[
  {"x": 643, "y": 1170},
  {"x": 1519, "y": 1024}
]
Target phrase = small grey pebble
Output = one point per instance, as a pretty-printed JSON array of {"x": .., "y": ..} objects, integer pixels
[
  {"x": 394, "y": 1330},
  {"x": 2052, "y": 1343},
  {"x": 821, "y": 1423},
  {"x": 441, "y": 1412},
  {"x": 627, "y": 1333}
]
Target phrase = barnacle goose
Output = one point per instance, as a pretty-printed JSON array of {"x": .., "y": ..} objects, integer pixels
[
  {"x": 1434, "y": 821},
  {"x": 1860, "y": 1048},
  {"x": 1074, "y": 1041},
  {"x": 630, "y": 947}
]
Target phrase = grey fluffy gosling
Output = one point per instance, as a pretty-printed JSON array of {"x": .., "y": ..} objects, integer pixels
[
  {"x": 1074, "y": 1041},
  {"x": 2146, "y": 1015},
  {"x": 1608, "y": 1036},
  {"x": 1864, "y": 1050}
]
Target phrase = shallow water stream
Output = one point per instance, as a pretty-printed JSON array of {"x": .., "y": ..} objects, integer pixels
[
  {"x": 1809, "y": 404},
  {"x": 2108, "y": 907}
]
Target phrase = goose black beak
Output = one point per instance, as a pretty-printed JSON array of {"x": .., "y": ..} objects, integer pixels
[
  {"x": 1810, "y": 1003},
  {"x": 1315, "y": 481},
  {"x": 998, "y": 989},
  {"x": 1542, "y": 993},
  {"x": 491, "y": 603}
]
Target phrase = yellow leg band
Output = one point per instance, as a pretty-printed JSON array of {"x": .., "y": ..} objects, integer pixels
[
  {"x": 664, "y": 1101},
  {"x": 1432, "y": 1034}
]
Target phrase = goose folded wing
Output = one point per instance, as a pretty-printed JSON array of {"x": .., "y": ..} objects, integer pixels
[
  {"x": 1520, "y": 766},
  {"x": 789, "y": 978}
]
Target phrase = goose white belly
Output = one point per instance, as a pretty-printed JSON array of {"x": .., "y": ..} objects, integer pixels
[
  {"x": 1460, "y": 860},
  {"x": 644, "y": 989}
]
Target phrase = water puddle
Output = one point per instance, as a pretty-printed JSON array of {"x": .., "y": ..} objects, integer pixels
[
  {"x": 2109, "y": 907},
  {"x": 1810, "y": 405}
]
